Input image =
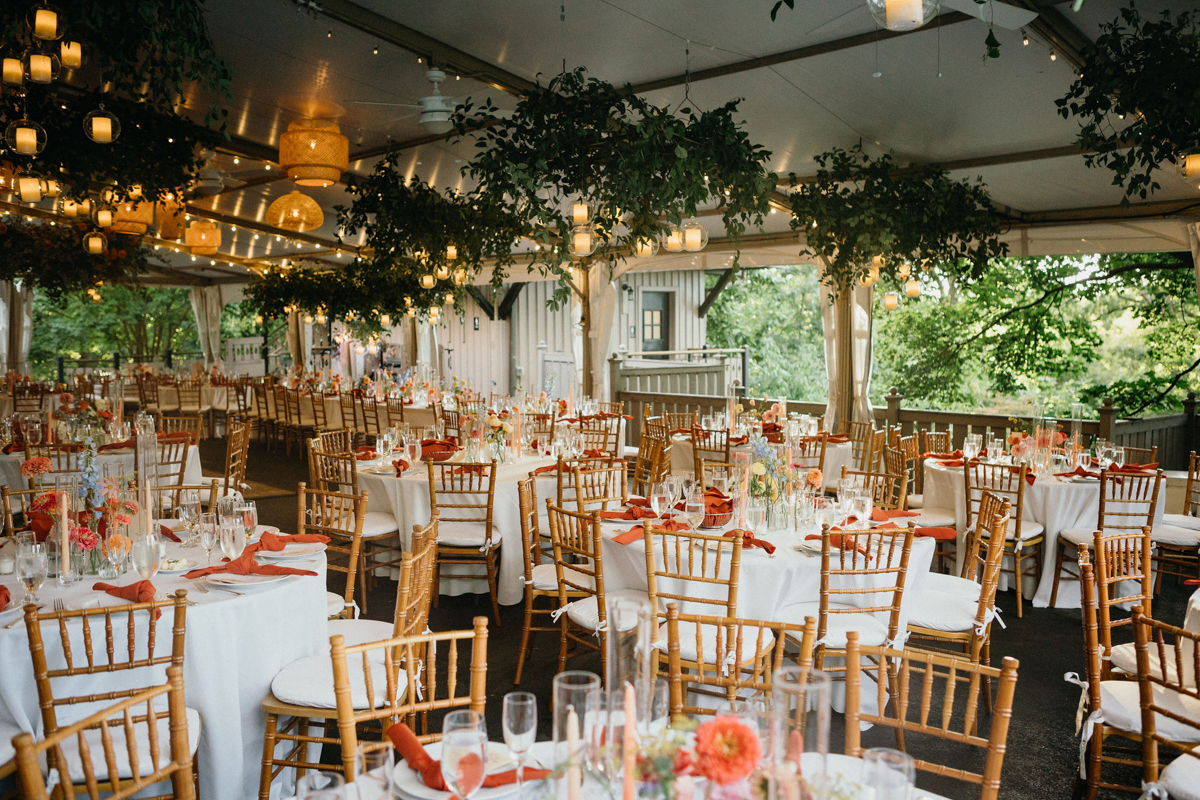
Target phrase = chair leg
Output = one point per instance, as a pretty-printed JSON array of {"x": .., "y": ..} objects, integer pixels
[
  {"x": 491, "y": 575},
  {"x": 562, "y": 643},
  {"x": 1020, "y": 577},
  {"x": 264, "y": 778},
  {"x": 526, "y": 638},
  {"x": 362, "y": 571},
  {"x": 437, "y": 579},
  {"x": 1058, "y": 568}
]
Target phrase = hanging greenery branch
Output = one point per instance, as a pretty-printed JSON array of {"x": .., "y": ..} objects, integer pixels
[
  {"x": 640, "y": 168},
  {"x": 51, "y": 259},
  {"x": 1138, "y": 99},
  {"x": 860, "y": 216}
]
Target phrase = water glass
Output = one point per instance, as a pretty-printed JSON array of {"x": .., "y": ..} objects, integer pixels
[
  {"x": 660, "y": 499},
  {"x": 374, "y": 763},
  {"x": 693, "y": 511},
  {"x": 33, "y": 431},
  {"x": 890, "y": 773},
  {"x": 1118, "y": 455},
  {"x": 464, "y": 752},
  {"x": 233, "y": 537},
  {"x": 32, "y": 566},
  {"x": 520, "y": 728},
  {"x": 319, "y": 785},
  {"x": 187, "y": 511},
  {"x": 971, "y": 444},
  {"x": 146, "y": 556},
  {"x": 116, "y": 548},
  {"x": 248, "y": 512},
  {"x": 757, "y": 514},
  {"x": 576, "y": 706}
]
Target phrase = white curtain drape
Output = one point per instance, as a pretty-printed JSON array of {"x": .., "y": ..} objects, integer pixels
[
  {"x": 848, "y": 339},
  {"x": 16, "y": 313},
  {"x": 829, "y": 328},
  {"x": 1194, "y": 240},
  {"x": 206, "y": 308},
  {"x": 862, "y": 311},
  {"x": 295, "y": 340},
  {"x": 603, "y": 295}
]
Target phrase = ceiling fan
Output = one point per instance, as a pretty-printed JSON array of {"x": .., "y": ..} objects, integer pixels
[
  {"x": 211, "y": 180},
  {"x": 435, "y": 108},
  {"x": 1002, "y": 15}
]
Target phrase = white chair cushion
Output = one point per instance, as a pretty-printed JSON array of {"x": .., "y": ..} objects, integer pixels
[
  {"x": 360, "y": 631},
  {"x": 309, "y": 682},
  {"x": 1124, "y": 659},
  {"x": 951, "y": 585},
  {"x": 70, "y": 747},
  {"x": 584, "y": 612},
  {"x": 931, "y": 517},
  {"x": 466, "y": 534},
  {"x": 1173, "y": 534},
  {"x": 545, "y": 578},
  {"x": 708, "y": 640},
  {"x": 1182, "y": 521},
  {"x": 939, "y": 611},
  {"x": 1181, "y": 778},
  {"x": 379, "y": 523},
  {"x": 1078, "y": 536},
  {"x": 871, "y": 631},
  {"x": 1029, "y": 529},
  {"x": 1119, "y": 701},
  {"x": 915, "y": 501},
  {"x": 334, "y": 603}
]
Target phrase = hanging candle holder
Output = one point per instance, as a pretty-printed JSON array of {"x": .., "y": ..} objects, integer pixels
[
  {"x": 41, "y": 67},
  {"x": 101, "y": 126},
  {"x": 94, "y": 243},
  {"x": 46, "y": 22},
  {"x": 25, "y": 137}
]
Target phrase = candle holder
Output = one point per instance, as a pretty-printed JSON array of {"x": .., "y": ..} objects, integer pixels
[
  {"x": 799, "y": 745},
  {"x": 576, "y": 711}
]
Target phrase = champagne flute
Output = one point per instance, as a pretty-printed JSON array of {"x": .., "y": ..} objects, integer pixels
[
  {"x": 33, "y": 431},
  {"x": 187, "y": 511},
  {"x": 146, "y": 556},
  {"x": 31, "y": 569},
  {"x": 464, "y": 752},
  {"x": 249, "y": 514},
  {"x": 233, "y": 537},
  {"x": 208, "y": 534},
  {"x": 520, "y": 728},
  {"x": 693, "y": 511},
  {"x": 890, "y": 773},
  {"x": 1118, "y": 456}
]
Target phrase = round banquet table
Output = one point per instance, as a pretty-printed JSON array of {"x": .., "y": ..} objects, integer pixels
[
  {"x": 1056, "y": 503},
  {"x": 407, "y": 499},
  {"x": 235, "y": 645},
  {"x": 120, "y": 463},
  {"x": 836, "y": 456}
]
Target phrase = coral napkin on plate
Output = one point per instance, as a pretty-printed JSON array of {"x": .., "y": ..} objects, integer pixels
[
  {"x": 545, "y": 469},
  {"x": 4, "y": 597},
  {"x": 957, "y": 454},
  {"x": 128, "y": 444},
  {"x": 638, "y": 532},
  {"x": 882, "y": 515},
  {"x": 412, "y": 751},
  {"x": 163, "y": 530},
  {"x": 278, "y": 541},
  {"x": 140, "y": 592},
  {"x": 401, "y": 467},
  {"x": 365, "y": 453},
  {"x": 13, "y": 447},
  {"x": 838, "y": 438},
  {"x": 839, "y": 541},
  {"x": 246, "y": 565},
  {"x": 748, "y": 540},
  {"x": 633, "y": 512},
  {"x": 1135, "y": 469},
  {"x": 1078, "y": 472}
]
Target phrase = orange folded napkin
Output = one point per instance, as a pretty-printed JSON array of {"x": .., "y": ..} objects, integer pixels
[
  {"x": 939, "y": 533},
  {"x": 246, "y": 565},
  {"x": 13, "y": 447},
  {"x": 633, "y": 512},
  {"x": 125, "y": 445},
  {"x": 594, "y": 454},
  {"x": 180, "y": 436},
  {"x": 881, "y": 515},
  {"x": 679, "y": 430},
  {"x": 412, "y": 751},
  {"x": 1029, "y": 476},
  {"x": 140, "y": 592},
  {"x": 437, "y": 449},
  {"x": 748, "y": 540},
  {"x": 401, "y": 467},
  {"x": 1078, "y": 472},
  {"x": 638, "y": 532},
  {"x": 638, "y": 501},
  {"x": 838, "y": 438},
  {"x": 163, "y": 530},
  {"x": 839, "y": 541},
  {"x": 954, "y": 463},
  {"x": 1135, "y": 469},
  {"x": 4, "y": 597},
  {"x": 957, "y": 454},
  {"x": 734, "y": 441},
  {"x": 278, "y": 541},
  {"x": 545, "y": 469},
  {"x": 469, "y": 469},
  {"x": 365, "y": 453}
]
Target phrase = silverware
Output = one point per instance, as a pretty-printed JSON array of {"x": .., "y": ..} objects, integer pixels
[
  {"x": 199, "y": 586},
  {"x": 59, "y": 606}
]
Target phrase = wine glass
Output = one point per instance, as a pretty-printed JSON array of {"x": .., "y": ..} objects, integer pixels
[
  {"x": 320, "y": 785},
  {"x": 1085, "y": 459},
  {"x": 31, "y": 569},
  {"x": 1118, "y": 456},
  {"x": 464, "y": 752},
  {"x": 187, "y": 511},
  {"x": 687, "y": 482},
  {"x": 116, "y": 548},
  {"x": 757, "y": 515},
  {"x": 233, "y": 537},
  {"x": 373, "y": 779},
  {"x": 693, "y": 511},
  {"x": 249, "y": 514},
  {"x": 971, "y": 444},
  {"x": 207, "y": 525},
  {"x": 146, "y": 556},
  {"x": 33, "y": 431},
  {"x": 660, "y": 499},
  {"x": 520, "y": 728}
]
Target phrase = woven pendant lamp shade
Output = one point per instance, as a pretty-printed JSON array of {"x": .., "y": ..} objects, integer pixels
[
  {"x": 295, "y": 212},
  {"x": 133, "y": 217},
  {"x": 169, "y": 218},
  {"x": 314, "y": 152},
  {"x": 203, "y": 237}
]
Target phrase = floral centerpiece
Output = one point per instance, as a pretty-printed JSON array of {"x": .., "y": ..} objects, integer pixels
[
  {"x": 81, "y": 413},
  {"x": 768, "y": 472},
  {"x": 498, "y": 431},
  {"x": 34, "y": 468}
]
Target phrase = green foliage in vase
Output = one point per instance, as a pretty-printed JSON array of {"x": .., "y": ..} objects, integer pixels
[
  {"x": 1137, "y": 97},
  {"x": 638, "y": 166},
  {"x": 861, "y": 208},
  {"x": 52, "y": 258}
]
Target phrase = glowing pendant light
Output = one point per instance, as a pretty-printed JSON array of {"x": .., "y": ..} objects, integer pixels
[
  {"x": 295, "y": 212},
  {"x": 902, "y": 15},
  {"x": 314, "y": 152},
  {"x": 203, "y": 237}
]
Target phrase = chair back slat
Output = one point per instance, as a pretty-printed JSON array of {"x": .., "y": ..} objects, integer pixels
[
  {"x": 698, "y": 571},
  {"x": 340, "y": 517}
]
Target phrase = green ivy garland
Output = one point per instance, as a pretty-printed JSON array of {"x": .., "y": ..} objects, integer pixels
[
  {"x": 51, "y": 259},
  {"x": 1138, "y": 97},
  {"x": 637, "y": 165},
  {"x": 858, "y": 209}
]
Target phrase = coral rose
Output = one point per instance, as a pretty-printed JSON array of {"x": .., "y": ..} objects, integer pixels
[{"x": 727, "y": 750}]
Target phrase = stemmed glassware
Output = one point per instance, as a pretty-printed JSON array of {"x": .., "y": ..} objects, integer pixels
[
  {"x": 116, "y": 548},
  {"x": 249, "y": 514},
  {"x": 146, "y": 556},
  {"x": 208, "y": 534},
  {"x": 187, "y": 511},
  {"x": 1118, "y": 455},
  {"x": 31, "y": 569},
  {"x": 890, "y": 773},
  {"x": 693, "y": 511},
  {"x": 32, "y": 427},
  {"x": 971, "y": 444},
  {"x": 660, "y": 500},
  {"x": 233, "y": 537},
  {"x": 520, "y": 728},
  {"x": 464, "y": 752}
]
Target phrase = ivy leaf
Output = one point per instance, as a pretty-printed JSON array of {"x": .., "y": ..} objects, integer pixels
[{"x": 681, "y": 152}]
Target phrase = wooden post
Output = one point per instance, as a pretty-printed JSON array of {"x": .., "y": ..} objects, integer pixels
[
  {"x": 585, "y": 324},
  {"x": 1106, "y": 419},
  {"x": 615, "y": 362},
  {"x": 1189, "y": 425},
  {"x": 893, "y": 408},
  {"x": 479, "y": 664}
]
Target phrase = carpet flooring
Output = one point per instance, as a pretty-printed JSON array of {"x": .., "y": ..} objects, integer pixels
[{"x": 1043, "y": 751}]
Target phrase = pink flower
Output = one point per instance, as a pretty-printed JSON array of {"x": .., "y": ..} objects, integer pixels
[
  {"x": 814, "y": 478},
  {"x": 66, "y": 398},
  {"x": 123, "y": 519},
  {"x": 84, "y": 538},
  {"x": 768, "y": 416}
]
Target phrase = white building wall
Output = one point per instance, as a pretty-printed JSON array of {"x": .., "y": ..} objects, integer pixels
[
  {"x": 479, "y": 357},
  {"x": 687, "y": 290}
]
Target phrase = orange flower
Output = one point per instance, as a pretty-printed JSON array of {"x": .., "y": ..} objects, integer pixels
[
  {"x": 814, "y": 478},
  {"x": 727, "y": 750}
]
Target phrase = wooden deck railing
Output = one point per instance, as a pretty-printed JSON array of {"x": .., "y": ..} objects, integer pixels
[{"x": 1175, "y": 435}]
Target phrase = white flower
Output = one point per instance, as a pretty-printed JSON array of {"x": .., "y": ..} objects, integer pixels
[
  {"x": 508, "y": 428},
  {"x": 494, "y": 422},
  {"x": 758, "y": 468}
]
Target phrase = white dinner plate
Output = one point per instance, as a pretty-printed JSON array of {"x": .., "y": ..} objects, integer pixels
[
  {"x": 185, "y": 565},
  {"x": 260, "y": 530},
  {"x": 1081, "y": 479},
  {"x": 299, "y": 550},
  {"x": 408, "y": 782},
  {"x": 380, "y": 470},
  {"x": 243, "y": 582}
]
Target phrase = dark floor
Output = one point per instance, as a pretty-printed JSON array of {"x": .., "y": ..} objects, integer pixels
[{"x": 1043, "y": 752}]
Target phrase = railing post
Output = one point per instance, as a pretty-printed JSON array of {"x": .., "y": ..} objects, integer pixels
[
  {"x": 745, "y": 367},
  {"x": 1189, "y": 429},
  {"x": 167, "y": 359},
  {"x": 615, "y": 362},
  {"x": 1106, "y": 419},
  {"x": 117, "y": 361},
  {"x": 893, "y": 408},
  {"x": 62, "y": 370}
]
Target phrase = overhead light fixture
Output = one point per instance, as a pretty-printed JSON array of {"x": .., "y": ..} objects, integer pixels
[
  {"x": 644, "y": 248},
  {"x": 1053, "y": 56},
  {"x": 912, "y": 288},
  {"x": 314, "y": 152},
  {"x": 295, "y": 212},
  {"x": 94, "y": 243},
  {"x": 695, "y": 235},
  {"x": 101, "y": 126},
  {"x": 583, "y": 241},
  {"x": 902, "y": 15},
  {"x": 203, "y": 237},
  {"x": 25, "y": 137},
  {"x": 427, "y": 281},
  {"x": 46, "y": 22},
  {"x": 891, "y": 301},
  {"x": 674, "y": 240},
  {"x": 1024, "y": 38}
]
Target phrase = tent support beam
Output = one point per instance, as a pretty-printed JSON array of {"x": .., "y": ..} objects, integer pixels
[
  {"x": 716, "y": 290},
  {"x": 482, "y": 302},
  {"x": 510, "y": 300}
]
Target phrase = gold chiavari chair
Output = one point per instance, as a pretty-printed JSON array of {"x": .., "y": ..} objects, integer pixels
[
  {"x": 262, "y": 412},
  {"x": 711, "y": 470},
  {"x": 614, "y": 407},
  {"x": 936, "y": 442},
  {"x": 873, "y": 460},
  {"x": 24, "y": 499},
  {"x": 734, "y": 637},
  {"x": 340, "y": 517},
  {"x": 679, "y": 421},
  {"x": 118, "y": 640},
  {"x": 1127, "y": 503},
  {"x": 395, "y": 410},
  {"x": 167, "y": 497},
  {"x": 542, "y": 428},
  {"x": 656, "y": 428},
  {"x": 1023, "y": 534},
  {"x": 934, "y": 714},
  {"x": 237, "y": 450},
  {"x": 895, "y": 463},
  {"x": 320, "y": 413},
  {"x": 1124, "y": 578},
  {"x": 699, "y": 572},
  {"x": 297, "y": 423},
  {"x": 976, "y": 540},
  {"x": 339, "y": 441},
  {"x": 809, "y": 452},
  {"x": 64, "y": 460},
  {"x": 1141, "y": 456},
  {"x": 887, "y": 489},
  {"x": 350, "y": 415},
  {"x": 28, "y": 398},
  {"x": 860, "y": 441},
  {"x": 661, "y": 465},
  {"x": 172, "y": 460},
  {"x": 645, "y": 464},
  {"x": 135, "y": 730},
  {"x": 281, "y": 416},
  {"x": 453, "y": 424},
  {"x": 191, "y": 402},
  {"x": 1190, "y": 518},
  {"x": 189, "y": 424},
  {"x": 369, "y": 412},
  {"x": 847, "y": 603},
  {"x": 597, "y": 487},
  {"x": 600, "y": 435},
  {"x": 564, "y": 474},
  {"x": 911, "y": 449},
  {"x": 1170, "y": 705},
  {"x": 708, "y": 446},
  {"x": 463, "y": 497}
]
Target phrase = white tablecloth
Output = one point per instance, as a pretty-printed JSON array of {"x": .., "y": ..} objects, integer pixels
[
  {"x": 121, "y": 462},
  {"x": 407, "y": 498},
  {"x": 1056, "y": 503},
  {"x": 210, "y": 397},
  {"x": 836, "y": 456},
  {"x": 235, "y": 645}
]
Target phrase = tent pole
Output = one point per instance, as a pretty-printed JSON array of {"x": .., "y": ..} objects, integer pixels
[{"x": 843, "y": 329}]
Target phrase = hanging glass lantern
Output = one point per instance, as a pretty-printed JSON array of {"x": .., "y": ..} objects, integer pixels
[
  {"x": 904, "y": 270},
  {"x": 644, "y": 248},
  {"x": 891, "y": 301},
  {"x": 695, "y": 235},
  {"x": 385, "y": 320},
  {"x": 295, "y": 212},
  {"x": 46, "y": 22},
  {"x": 321, "y": 316},
  {"x": 51, "y": 188},
  {"x": 308, "y": 319},
  {"x": 460, "y": 276},
  {"x": 451, "y": 252},
  {"x": 13, "y": 71},
  {"x": 583, "y": 241},
  {"x": 94, "y": 243},
  {"x": 449, "y": 298},
  {"x": 68, "y": 208},
  {"x": 41, "y": 67},
  {"x": 1188, "y": 164},
  {"x": 902, "y": 15},
  {"x": 85, "y": 207},
  {"x": 442, "y": 273},
  {"x": 70, "y": 54},
  {"x": 103, "y": 216},
  {"x": 25, "y": 137},
  {"x": 412, "y": 312},
  {"x": 912, "y": 288},
  {"x": 314, "y": 152},
  {"x": 427, "y": 281},
  {"x": 133, "y": 217},
  {"x": 203, "y": 237},
  {"x": 168, "y": 217},
  {"x": 674, "y": 240},
  {"x": 580, "y": 214},
  {"x": 101, "y": 126},
  {"x": 29, "y": 190}
]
